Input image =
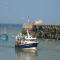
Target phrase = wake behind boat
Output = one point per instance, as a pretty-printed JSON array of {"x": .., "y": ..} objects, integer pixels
[{"x": 26, "y": 41}]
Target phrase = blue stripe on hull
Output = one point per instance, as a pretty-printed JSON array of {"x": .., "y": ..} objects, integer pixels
[{"x": 27, "y": 45}]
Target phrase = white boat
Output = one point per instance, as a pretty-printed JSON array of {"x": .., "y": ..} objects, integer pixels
[{"x": 26, "y": 42}]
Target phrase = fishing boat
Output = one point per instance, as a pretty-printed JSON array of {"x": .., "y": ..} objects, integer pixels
[{"x": 26, "y": 41}]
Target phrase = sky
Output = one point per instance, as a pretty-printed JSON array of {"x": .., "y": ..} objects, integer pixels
[{"x": 16, "y": 11}]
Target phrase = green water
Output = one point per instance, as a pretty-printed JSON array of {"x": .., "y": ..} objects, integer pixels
[{"x": 46, "y": 50}]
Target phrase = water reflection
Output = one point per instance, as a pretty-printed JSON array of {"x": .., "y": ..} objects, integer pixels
[{"x": 25, "y": 55}]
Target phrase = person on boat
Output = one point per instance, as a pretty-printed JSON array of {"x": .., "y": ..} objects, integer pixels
[{"x": 18, "y": 42}]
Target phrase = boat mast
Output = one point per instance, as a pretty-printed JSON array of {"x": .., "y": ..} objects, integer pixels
[{"x": 27, "y": 28}]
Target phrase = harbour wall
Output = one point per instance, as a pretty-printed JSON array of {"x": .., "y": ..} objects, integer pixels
[{"x": 44, "y": 31}]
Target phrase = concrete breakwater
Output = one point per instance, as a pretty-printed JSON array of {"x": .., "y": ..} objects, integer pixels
[{"x": 44, "y": 31}]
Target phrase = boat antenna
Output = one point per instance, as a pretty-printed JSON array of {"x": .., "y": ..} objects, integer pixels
[{"x": 28, "y": 19}]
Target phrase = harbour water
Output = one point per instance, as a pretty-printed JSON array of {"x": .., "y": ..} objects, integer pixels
[{"x": 46, "y": 50}]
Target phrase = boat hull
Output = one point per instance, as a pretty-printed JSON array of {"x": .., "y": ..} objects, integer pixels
[{"x": 27, "y": 45}]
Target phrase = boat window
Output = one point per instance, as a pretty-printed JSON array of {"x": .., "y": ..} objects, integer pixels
[
  {"x": 32, "y": 40},
  {"x": 30, "y": 36}
]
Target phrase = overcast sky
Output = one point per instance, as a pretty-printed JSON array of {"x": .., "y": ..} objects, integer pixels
[{"x": 16, "y": 11}]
